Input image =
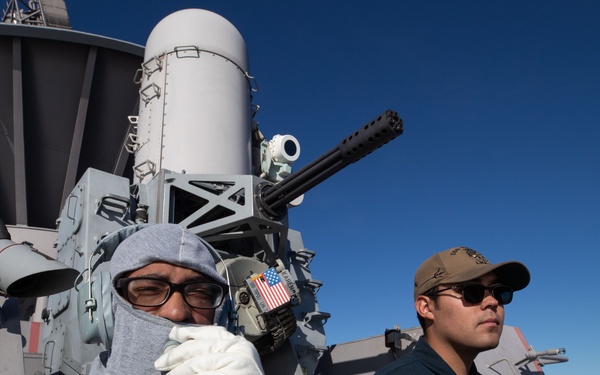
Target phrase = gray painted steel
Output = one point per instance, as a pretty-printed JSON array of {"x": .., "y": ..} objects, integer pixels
[{"x": 64, "y": 101}]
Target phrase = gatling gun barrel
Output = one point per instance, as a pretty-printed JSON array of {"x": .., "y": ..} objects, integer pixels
[{"x": 272, "y": 199}]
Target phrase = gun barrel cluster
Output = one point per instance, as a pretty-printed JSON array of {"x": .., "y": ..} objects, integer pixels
[{"x": 354, "y": 147}]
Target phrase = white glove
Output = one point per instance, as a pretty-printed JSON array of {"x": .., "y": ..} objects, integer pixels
[{"x": 209, "y": 350}]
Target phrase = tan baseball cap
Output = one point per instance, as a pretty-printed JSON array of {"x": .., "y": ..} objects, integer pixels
[{"x": 461, "y": 264}]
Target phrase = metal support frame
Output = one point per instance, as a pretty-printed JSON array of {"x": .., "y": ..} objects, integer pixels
[
  {"x": 82, "y": 110},
  {"x": 32, "y": 15},
  {"x": 48, "y": 13},
  {"x": 221, "y": 209},
  {"x": 19, "y": 135}
]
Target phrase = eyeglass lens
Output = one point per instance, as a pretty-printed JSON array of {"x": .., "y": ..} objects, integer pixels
[
  {"x": 475, "y": 293},
  {"x": 149, "y": 292}
]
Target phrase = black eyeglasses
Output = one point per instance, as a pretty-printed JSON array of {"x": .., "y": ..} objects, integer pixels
[
  {"x": 475, "y": 293},
  {"x": 151, "y": 292}
]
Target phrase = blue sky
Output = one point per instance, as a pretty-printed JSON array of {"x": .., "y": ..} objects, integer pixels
[{"x": 501, "y": 104}]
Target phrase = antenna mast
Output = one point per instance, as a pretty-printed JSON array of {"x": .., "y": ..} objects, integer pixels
[{"x": 48, "y": 13}]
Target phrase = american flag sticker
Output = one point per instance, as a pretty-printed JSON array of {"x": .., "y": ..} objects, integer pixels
[{"x": 270, "y": 288}]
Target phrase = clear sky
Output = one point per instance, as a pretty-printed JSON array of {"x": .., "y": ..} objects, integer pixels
[{"x": 501, "y": 104}]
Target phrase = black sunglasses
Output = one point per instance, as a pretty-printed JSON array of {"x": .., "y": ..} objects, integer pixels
[{"x": 475, "y": 293}]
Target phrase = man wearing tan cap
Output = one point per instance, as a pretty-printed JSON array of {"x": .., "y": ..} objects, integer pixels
[{"x": 459, "y": 297}]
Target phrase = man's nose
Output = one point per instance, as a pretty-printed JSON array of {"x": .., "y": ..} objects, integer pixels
[
  {"x": 176, "y": 309},
  {"x": 489, "y": 300}
]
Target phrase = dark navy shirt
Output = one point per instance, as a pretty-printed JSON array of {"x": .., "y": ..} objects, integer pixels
[{"x": 422, "y": 360}]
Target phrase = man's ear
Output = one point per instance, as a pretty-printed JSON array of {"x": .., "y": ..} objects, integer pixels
[{"x": 424, "y": 307}]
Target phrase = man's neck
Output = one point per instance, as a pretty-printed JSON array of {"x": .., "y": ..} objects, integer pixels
[{"x": 459, "y": 360}]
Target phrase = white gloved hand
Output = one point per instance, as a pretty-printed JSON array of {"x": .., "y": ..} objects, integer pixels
[{"x": 209, "y": 350}]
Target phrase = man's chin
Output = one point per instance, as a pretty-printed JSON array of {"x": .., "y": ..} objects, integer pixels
[{"x": 491, "y": 344}]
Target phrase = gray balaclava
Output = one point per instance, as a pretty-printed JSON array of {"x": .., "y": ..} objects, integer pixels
[
  {"x": 139, "y": 337},
  {"x": 164, "y": 243}
]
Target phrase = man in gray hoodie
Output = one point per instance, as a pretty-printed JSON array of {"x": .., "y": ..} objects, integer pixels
[{"x": 165, "y": 289}]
